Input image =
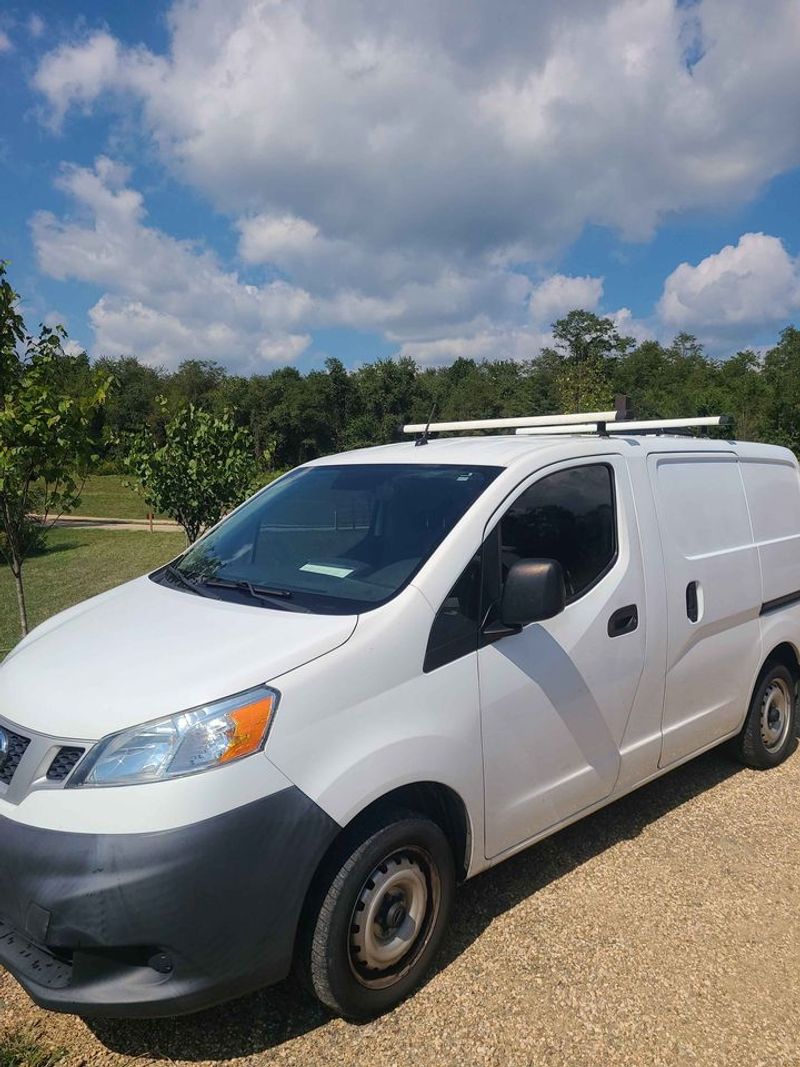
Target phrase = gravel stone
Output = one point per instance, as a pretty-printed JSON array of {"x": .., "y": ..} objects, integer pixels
[{"x": 662, "y": 930}]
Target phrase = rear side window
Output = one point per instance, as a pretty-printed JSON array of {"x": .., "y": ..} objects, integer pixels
[{"x": 568, "y": 516}]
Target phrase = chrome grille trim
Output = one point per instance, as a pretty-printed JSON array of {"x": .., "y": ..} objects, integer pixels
[{"x": 31, "y": 771}]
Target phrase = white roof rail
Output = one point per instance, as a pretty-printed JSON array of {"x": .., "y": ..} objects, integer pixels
[
  {"x": 587, "y": 417},
  {"x": 632, "y": 425}
]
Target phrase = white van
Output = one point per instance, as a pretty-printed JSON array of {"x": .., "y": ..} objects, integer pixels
[{"x": 384, "y": 673}]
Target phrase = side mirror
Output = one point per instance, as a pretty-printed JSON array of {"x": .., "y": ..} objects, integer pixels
[{"x": 534, "y": 590}]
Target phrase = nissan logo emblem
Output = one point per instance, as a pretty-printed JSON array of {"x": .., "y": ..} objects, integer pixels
[{"x": 3, "y": 745}]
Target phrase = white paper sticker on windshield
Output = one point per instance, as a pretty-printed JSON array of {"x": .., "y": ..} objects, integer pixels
[{"x": 325, "y": 568}]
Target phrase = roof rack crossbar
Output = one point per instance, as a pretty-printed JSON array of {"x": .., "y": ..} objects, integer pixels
[{"x": 588, "y": 417}]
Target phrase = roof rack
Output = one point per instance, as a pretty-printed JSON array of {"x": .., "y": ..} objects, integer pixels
[
  {"x": 599, "y": 422},
  {"x": 633, "y": 426},
  {"x": 593, "y": 417}
]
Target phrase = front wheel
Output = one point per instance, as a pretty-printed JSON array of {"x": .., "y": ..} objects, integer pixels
[
  {"x": 379, "y": 917},
  {"x": 769, "y": 732}
]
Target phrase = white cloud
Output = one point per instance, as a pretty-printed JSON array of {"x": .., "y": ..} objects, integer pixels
[
  {"x": 168, "y": 300},
  {"x": 76, "y": 75},
  {"x": 740, "y": 289},
  {"x": 407, "y": 166},
  {"x": 560, "y": 293},
  {"x": 421, "y": 125},
  {"x": 627, "y": 325},
  {"x": 274, "y": 238},
  {"x": 36, "y": 25},
  {"x": 5, "y": 42},
  {"x": 486, "y": 343},
  {"x": 284, "y": 349}
]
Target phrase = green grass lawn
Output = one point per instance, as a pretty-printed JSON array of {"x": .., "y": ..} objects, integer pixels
[
  {"x": 76, "y": 565},
  {"x": 104, "y": 495}
]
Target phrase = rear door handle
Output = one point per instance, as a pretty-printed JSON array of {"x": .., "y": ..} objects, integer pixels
[
  {"x": 692, "y": 606},
  {"x": 623, "y": 621}
]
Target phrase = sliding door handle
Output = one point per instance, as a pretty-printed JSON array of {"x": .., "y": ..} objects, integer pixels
[
  {"x": 623, "y": 621},
  {"x": 692, "y": 605}
]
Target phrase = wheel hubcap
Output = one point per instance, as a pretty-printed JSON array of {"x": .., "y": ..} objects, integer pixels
[
  {"x": 393, "y": 917},
  {"x": 776, "y": 717}
]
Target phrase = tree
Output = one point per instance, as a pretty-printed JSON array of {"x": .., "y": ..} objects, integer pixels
[
  {"x": 204, "y": 467},
  {"x": 587, "y": 346},
  {"x": 385, "y": 394},
  {"x": 194, "y": 382},
  {"x": 132, "y": 401},
  {"x": 782, "y": 380},
  {"x": 582, "y": 335},
  {"x": 743, "y": 390},
  {"x": 49, "y": 401}
]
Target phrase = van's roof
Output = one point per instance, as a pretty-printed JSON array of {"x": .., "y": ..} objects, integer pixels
[{"x": 507, "y": 450}]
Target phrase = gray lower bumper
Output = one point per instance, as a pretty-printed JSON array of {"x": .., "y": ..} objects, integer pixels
[{"x": 161, "y": 923}]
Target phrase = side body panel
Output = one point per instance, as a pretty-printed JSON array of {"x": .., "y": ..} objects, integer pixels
[{"x": 355, "y": 726}]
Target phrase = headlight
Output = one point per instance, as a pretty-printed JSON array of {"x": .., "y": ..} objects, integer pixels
[{"x": 191, "y": 741}]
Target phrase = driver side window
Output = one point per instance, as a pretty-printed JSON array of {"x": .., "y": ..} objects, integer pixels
[{"x": 568, "y": 516}]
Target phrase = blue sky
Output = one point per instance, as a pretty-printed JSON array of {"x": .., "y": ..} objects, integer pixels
[{"x": 265, "y": 183}]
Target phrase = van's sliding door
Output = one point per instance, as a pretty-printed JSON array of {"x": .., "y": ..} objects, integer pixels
[{"x": 713, "y": 597}]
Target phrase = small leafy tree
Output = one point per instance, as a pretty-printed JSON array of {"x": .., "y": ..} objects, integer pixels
[
  {"x": 46, "y": 416},
  {"x": 586, "y": 347},
  {"x": 203, "y": 468}
]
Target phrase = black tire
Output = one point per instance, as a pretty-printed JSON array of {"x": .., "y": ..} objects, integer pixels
[
  {"x": 766, "y": 742},
  {"x": 408, "y": 852}
]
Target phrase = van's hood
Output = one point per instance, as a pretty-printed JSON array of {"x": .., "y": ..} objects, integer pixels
[{"x": 145, "y": 650}]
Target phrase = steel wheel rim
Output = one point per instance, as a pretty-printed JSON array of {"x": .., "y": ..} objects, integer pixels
[
  {"x": 776, "y": 714},
  {"x": 393, "y": 917}
]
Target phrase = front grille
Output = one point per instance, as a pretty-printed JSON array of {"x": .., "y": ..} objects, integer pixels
[
  {"x": 63, "y": 763},
  {"x": 16, "y": 750}
]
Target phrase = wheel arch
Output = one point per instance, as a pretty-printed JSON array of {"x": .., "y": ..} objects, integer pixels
[
  {"x": 781, "y": 651},
  {"x": 750, "y": 746},
  {"x": 443, "y": 805},
  {"x": 784, "y": 653},
  {"x": 437, "y": 801}
]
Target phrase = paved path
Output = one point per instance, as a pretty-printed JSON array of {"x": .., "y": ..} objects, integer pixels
[
  {"x": 99, "y": 522},
  {"x": 664, "y": 930}
]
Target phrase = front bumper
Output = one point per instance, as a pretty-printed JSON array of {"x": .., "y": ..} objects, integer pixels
[{"x": 158, "y": 924}]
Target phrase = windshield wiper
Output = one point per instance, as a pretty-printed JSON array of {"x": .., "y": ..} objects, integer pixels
[
  {"x": 188, "y": 583},
  {"x": 276, "y": 597}
]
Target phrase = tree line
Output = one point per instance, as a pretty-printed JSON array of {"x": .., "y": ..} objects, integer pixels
[
  {"x": 293, "y": 417},
  {"x": 195, "y": 442}
]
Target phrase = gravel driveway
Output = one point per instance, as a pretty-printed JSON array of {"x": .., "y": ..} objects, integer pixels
[{"x": 662, "y": 930}]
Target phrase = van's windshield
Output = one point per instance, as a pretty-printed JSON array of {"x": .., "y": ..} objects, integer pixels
[{"x": 333, "y": 539}]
